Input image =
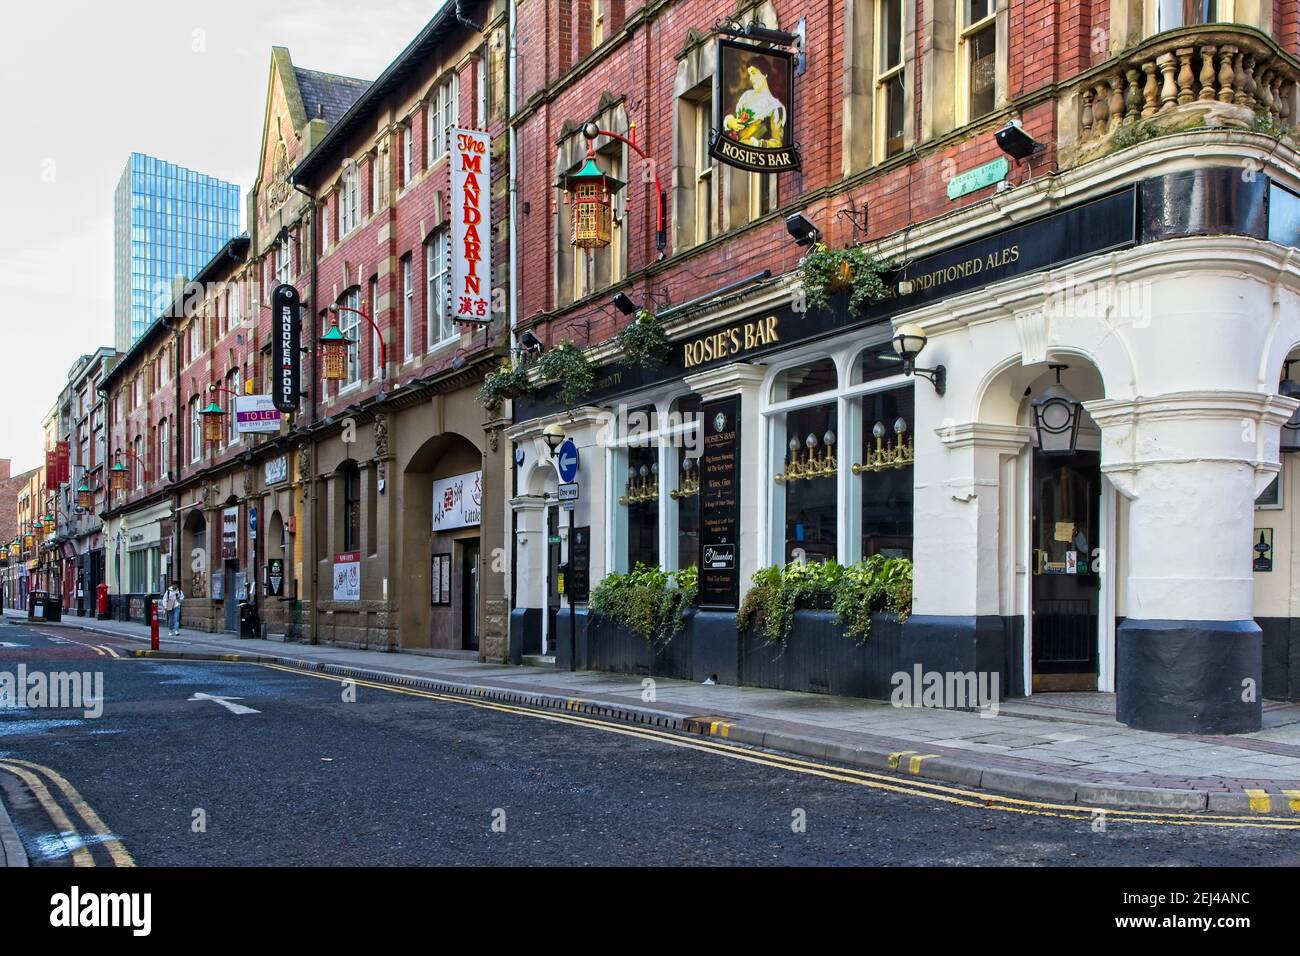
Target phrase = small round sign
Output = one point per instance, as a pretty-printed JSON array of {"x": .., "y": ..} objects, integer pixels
[{"x": 566, "y": 459}]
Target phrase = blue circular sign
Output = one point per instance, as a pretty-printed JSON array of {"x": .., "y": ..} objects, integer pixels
[{"x": 567, "y": 460}]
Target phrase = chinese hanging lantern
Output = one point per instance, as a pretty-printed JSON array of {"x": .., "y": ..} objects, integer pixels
[
  {"x": 15, "y": 547},
  {"x": 48, "y": 522},
  {"x": 29, "y": 539},
  {"x": 117, "y": 476},
  {"x": 590, "y": 191},
  {"x": 85, "y": 497},
  {"x": 334, "y": 354},
  {"x": 212, "y": 417}
]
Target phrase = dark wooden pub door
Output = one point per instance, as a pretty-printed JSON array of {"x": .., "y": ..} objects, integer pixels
[{"x": 1066, "y": 505}]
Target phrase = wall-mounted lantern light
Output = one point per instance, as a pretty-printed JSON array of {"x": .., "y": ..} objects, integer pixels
[
  {"x": 1056, "y": 417},
  {"x": 909, "y": 340}
]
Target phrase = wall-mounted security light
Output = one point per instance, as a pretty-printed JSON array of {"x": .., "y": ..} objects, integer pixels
[
  {"x": 530, "y": 342},
  {"x": 801, "y": 230},
  {"x": 623, "y": 302},
  {"x": 1015, "y": 142}
]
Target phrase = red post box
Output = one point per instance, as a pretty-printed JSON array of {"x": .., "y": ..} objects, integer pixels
[{"x": 101, "y": 601}]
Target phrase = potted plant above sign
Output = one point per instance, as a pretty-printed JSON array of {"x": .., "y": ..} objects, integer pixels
[
  {"x": 509, "y": 381},
  {"x": 825, "y": 272},
  {"x": 643, "y": 341},
  {"x": 568, "y": 366}
]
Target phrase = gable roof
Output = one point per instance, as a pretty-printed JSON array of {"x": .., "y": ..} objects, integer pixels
[{"x": 328, "y": 96}]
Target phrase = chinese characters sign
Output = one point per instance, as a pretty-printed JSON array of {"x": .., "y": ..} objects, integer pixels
[
  {"x": 458, "y": 501},
  {"x": 753, "y": 104},
  {"x": 347, "y": 576},
  {"x": 471, "y": 226}
]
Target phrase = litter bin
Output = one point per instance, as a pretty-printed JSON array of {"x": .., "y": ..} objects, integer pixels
[
  {"x": 249, "y": 624},
  {"x": 36, "y": 601}
]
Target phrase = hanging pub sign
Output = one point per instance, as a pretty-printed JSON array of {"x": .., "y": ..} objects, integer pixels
[
  {"x": 471, "y": 226},
  {"x": 753, "y": 108},
  {"x": 275, "y": 577},
  {"x": 285, "y": 308}
]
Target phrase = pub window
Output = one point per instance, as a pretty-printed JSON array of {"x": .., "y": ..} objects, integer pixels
[
  {"x": 196, "y": 430},
  {"x": 408, "y": 309},
  {"x": 233, "y": 389},
  {"x": 637, "y": 472},
  {"x": 886, "y": 472},
  {"x": 685, "y": 443},
  {"x": 695, "y": 113},
  {"x": 890, "y": 85},
  {"x": 437, "y": 296},
  {"x": 351, "y": 508},
  {"x": 977, "y": 60},
  {"x": 597, "y": 23},
  {"x": 804, "y": 424}
]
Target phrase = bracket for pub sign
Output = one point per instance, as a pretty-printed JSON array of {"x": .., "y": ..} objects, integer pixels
[{"x": 754, "y": 30}]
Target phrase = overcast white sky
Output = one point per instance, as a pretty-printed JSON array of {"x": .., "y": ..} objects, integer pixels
[{"x": 83, "y": 83}]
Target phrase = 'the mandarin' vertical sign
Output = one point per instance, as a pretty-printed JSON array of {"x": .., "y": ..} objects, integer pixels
[{"x": 471, "y": 226}]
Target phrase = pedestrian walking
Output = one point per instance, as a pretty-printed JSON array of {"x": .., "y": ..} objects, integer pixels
[{"x": 172, "y": 599}]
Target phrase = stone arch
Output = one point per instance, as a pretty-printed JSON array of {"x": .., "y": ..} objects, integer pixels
[{"x": 424, "y": 624}]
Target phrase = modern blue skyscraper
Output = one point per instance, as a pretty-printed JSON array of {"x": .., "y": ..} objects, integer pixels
[{"x": 168, "y": 221}]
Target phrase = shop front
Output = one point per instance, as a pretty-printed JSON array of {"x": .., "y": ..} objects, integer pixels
[
  {"x": 1060, "y": 422},
  {"x": 138, "y": 557}
]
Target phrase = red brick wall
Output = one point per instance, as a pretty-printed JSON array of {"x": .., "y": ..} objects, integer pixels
[{"x": 1049, "y": 41}]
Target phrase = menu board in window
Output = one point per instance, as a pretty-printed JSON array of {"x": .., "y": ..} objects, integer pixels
[
  {"x": 440, "y": 579},
  {"x": 720, "y": 505}
]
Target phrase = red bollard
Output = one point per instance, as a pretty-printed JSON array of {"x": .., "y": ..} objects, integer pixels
[{"x": 153, "y": 627}]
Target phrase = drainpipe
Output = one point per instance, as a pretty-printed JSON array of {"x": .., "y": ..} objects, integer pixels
[
  {"x": 311, "y": 480},
  {"x": 508, "y": 522}
]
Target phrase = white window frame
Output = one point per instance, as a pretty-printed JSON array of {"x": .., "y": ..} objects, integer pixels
[
  {"x": 1224, "y": 12},
  {"x": 350, "y": 200},
  {"x": 234, "y": 382},
  {"x": 883, "y": 77},
  {"x": 196, "y": 431},
  {"x": 597, "y": 23},
  {"x": 163, "y": 459},
  {"x": 349, "y": 325},
  {"x": 443, "y": 116},
  {"x": 965, "y": 32},
  {"x": 408, "y": 307},
  {"x": 437, "y": 259},
  {"x": 408, "y": 154},
  {"x": 848, "y": 443},
  {"x": 706, "y": 200}
]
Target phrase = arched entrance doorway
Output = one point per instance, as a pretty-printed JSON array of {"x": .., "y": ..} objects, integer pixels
[{"x": 441, "y": 558}]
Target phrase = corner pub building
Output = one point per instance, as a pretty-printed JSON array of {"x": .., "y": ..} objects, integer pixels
[{"x": 1123, "y": 256}]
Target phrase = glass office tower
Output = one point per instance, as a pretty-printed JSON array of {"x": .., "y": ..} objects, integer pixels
[{"x": 168, "y": 221}]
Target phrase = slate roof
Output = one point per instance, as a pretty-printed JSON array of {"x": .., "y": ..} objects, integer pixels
[{"x": 327, "y": 96}]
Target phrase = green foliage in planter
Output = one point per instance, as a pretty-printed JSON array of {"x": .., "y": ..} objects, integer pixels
[
  {"x": 822, "y": 274},
  {"x": 509, "y": 381},
  {"x": 648, "y": 601},
  {"x": 567, "y": 365},
  {"x": 854, "y": 592},
  {"x": 643, "y": 341}
]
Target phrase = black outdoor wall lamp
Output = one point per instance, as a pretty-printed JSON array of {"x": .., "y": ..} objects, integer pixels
[
  {"x": 909, "y": 340},
  {"x": 553, "y": 435},
  {"x": 1056, "y": 417},
  {"x": 624, "y": 303},
  {"x": 1015, "y": 142}
]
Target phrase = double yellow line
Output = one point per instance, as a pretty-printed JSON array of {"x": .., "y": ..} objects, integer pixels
[
  {"x": 943, "y": 793},
  {"x": 30, "y": 774}
]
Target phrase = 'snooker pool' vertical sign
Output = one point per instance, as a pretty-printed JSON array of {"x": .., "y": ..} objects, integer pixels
[
  {"x": 720, "y": 505},
  {"x": 471, "y": 226},
  {"x": 285, "y": 307}
]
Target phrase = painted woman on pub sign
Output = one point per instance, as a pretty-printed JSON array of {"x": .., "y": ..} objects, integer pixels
[{"x": 753, "y": 94}]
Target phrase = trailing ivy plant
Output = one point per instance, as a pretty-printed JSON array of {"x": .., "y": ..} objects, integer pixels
[
  {"x": 567, "y": 365},
  {"x": 650, "y": 602},
  {"x": 1264, "y": 123},
  {"x": 853, "y": 592},
  {"x": 643, "y": 341},
  {"x": 509, "y": 381},
  {"x": 824, "y": 271}
]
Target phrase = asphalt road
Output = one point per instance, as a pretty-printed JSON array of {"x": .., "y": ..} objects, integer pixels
[{"x": 392, "y": 778}]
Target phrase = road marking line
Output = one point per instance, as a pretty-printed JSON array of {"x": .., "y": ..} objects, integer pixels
[
  {"x": 895, "y": 758},
  {"x": 84, "y": 810},
  {"x": 1260, "y": 802},
  {"x": 80, "y": 856},
  {"x": 226, "y": 703},
  {"x": 1293, "y": 798},
  {"x": 109, "y": 650},
  {"x": 918, "y": 788}
]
